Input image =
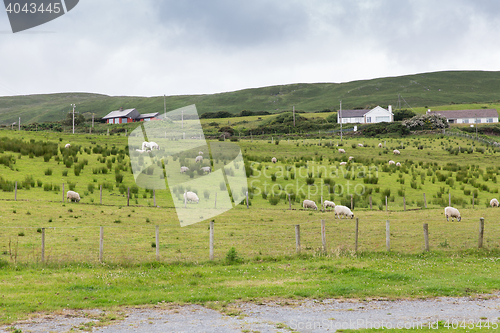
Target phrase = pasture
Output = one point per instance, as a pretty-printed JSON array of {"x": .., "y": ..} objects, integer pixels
[{"x": 255, "y": 252}]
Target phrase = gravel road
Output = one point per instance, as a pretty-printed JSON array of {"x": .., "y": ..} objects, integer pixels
[{"x": 303, "y": 316}]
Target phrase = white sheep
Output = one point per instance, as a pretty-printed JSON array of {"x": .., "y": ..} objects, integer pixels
[
  {"x": 380, "y": 145},
  {"x": 351, "y": 158},
  {"x": 309, "y": 204},
  {"x": 453, "y": 213},
  {"x": 67, "y": 145},
  {"x": 141, "y": 151},
  {"x": 391, "y": 162},
  {"x": 206, "y": 169},
  {"x": 398, "y": 164},
  {"x": 344, "y": 211},
  {"x": 494, "y": 202},
  {"x": 396, "y": 152},
  {"x": 327, "y": 204},
  {"x": 191, "y": 196},
  {"x": 198, "y": 159},
  {"x": 184, "y": 169},
  {"x": 72, "y": 196},
  {"x": 343, "y": 163},
  {"x": 342, "y": 151},
  {"x": 200, "y": 153},
  {"x": 274, "y": 160},
  {"x": 360, "y": 145},
  {"x": 150, "y": 145}
]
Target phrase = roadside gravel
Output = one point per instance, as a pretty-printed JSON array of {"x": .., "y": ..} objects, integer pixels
[{"x": 299, "y": 316}]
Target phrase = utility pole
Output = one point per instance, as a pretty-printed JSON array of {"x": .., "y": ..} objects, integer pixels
[
  {"x": 73, "y": 105},
  {"x": 92, "y": 120},
  {"x": 294, "y": 116},
  {"x": 340, "y": 118},
  {"x": 20, "y": 124}
]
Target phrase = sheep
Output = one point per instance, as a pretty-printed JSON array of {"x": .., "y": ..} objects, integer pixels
[
  {"x": 191, "y": 196},
  {"x": 342, "y": 151},
  {"x": 380, "y": 145},
  {"x": 206, "y": 169},
  {"x": 198, "y": 159},
  {"x": 396, "y": 152},
  {"x": 344, "y": 211},
  {"x": 150, "y": 145},
  {"x": 327, "y": 204},
  {"x": 351, "y": 158},
  {"x": 184, "y": 169},
  {"x": 274, "y": 160},
  {"x": 343, "y": 163},
  {"x": 360, "y": 145},
  {"x": 494, "y": 202},
  {"x": 391, "y": 162},
  {"x": 309, "y": 204},
  {"x": 453, "y": 213},
  {"x": 72, "y": 196},
  {"x": 67, "y": 145},
  {"x": 398, "y": 164},
  {"x": 200, "y": 153}
]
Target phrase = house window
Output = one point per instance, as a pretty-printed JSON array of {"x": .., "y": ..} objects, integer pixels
[
  {"x": 489, "y": 120},
  {"x": 147, "y": 119},
  {"x": 111, "y": 121},
  {"x": 383, "y": 119},
  {"x": 478, "y": 120},
  {"x": 465, "y": 121},
  {"x": 368, "y": 119}
]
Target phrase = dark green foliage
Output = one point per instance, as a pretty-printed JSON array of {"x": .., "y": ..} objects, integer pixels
[
  {"x": 384, "y": 128},
  {"x": 403, "y": 114}
]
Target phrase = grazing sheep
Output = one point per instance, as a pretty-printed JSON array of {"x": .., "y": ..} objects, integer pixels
[
  {"x": 396, "y": 152},
  {"x": 360, "y": 145},
  {"x": 191, "y": 196},
  {"x": 398, "y": 164},
  {"x": 380, "y": 145},
  {"x": 453, "y": 213},
  {"x": 274, "y": 160},
  {"x": 67, "y": 145},
  {"x": 344, "y": 211},
  {"x": 184, "y": 169},
  {"x": 150, "y": 145},
  {"x": 351, "y": 158},
  {"x": 494, "y": 202},
  {"x": 200, "y": 153},
  {"x": 309, "y": 204},
  {"x": 206, "y": 169},
  {"x": 199, "y": 159},
  {"x": 342, "y": 151},
  {"x": 327, "y": 204},
  {"x": 391, "y": 162},
  {"x": 72, "y": 196},
  {"x": 343, "y": 163}
]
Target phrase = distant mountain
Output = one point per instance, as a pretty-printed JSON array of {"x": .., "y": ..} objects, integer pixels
[{"x": 426, "y": 89}]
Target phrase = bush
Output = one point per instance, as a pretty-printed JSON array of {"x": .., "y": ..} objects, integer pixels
[
  {"x": 232, "y": 256},
  {"x": 48, "y": 172}
]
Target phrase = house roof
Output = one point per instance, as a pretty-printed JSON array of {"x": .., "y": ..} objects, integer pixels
[
  {"x": 353, "y": 113},
  {"x": 457, "y": 114},
  {"x": 148, "y": 115},
  {"x": 128, "y": 113}
]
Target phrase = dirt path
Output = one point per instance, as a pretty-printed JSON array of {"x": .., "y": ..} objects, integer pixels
[{"x": 304, "y": 316}]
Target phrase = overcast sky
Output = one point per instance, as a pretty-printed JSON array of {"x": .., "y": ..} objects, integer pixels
[{"x": 173, "y": 47}]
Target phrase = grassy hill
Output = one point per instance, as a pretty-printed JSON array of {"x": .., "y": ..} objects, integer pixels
[{"x": 419, "y": 91}]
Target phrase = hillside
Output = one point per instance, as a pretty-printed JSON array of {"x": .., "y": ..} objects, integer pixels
[{"x": 419, "y": 90}]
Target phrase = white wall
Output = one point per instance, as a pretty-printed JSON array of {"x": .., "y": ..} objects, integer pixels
[
  {"x": 378, "y": 115},
  {"x": 473, "y": 120}
]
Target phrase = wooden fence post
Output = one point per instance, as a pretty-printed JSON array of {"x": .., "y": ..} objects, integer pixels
[
  {"x": 386, "y": 203},
  {"x": 157, "y": 243},
  {"x": 15, "y": 192},
  {"x": 43, "y": 245},
  {"x": 101, "y": 243},
  {"x": 289, "y": 201},
  {"x": 247, "y": 199},
  {"x": 128, "y": 195},
  {"x": 404, "y": 203},
  {"x": 212, "y": 240},
  {"x": 63, "y": 192},
  {"x": 297, "y": 238},
  {"x": 425, "y": 201},
  {"x": 426, "y": 237},
  {"x": 370, "y": 202},
  {"x": 154, "y": 198},
  {"x": 100, "y": 195},
  {"x": 481, "y": 233},
  {"x": 356, "y": 235},
  {"x": 322, "y": 204},
  {"x": 388, "y": 235},
  {"x": 323, "y": 234}
]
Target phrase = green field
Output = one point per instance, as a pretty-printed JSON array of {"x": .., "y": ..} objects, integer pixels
[{"x": 264, "y": 263}]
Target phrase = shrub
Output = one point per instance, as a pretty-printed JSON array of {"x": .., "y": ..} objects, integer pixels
[
  {"x": 48, "y": 172},
  {"x": 232, "y": 256}
]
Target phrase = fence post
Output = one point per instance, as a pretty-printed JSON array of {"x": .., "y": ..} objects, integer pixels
[
  {"x": 185, "y": 198},
  {"x": 426, "y": 236},
  {"x": 370, "y": 202},
  {"x": 323, "y": 234},
  {"x": 388, "y": 235},
  {"x": 212, "y": 240},
  {"x": 15, "y": 192},
  {"x": 356, "y": 235},
  {"x": 352, "y": 202},
  {"x": 322, "y": 204},
  {"x": 404, "y": 203},
  {"x": 154, "y": 198},
  {"x": 247, "y": 199},
  {"x": 101, "y": 242},
  {"x": 43, "y": 245},
  {"x": 100, "y": 195},
  {"x": 386, "y": 203},
  {"x": 425, "y": 201},
  {"x": 63, "y": 192},
  {"x": 128, "y": 195},
  {"x": 289, "y": 201},
  {"x": 297, "y": 238},
  {"x": 157, "y": 243},
  {"x": 481, "y": 232}
]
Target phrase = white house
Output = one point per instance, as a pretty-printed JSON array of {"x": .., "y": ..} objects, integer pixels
[
  {"x": 480, "y": 116},
  {"x": 375, "y": 115}
]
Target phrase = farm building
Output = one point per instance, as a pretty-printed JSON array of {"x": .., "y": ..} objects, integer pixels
[
  {"x": 375, "y": 115},
  {"x": 128, "y": 116},
  {"x": 479, "y": 116}
]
